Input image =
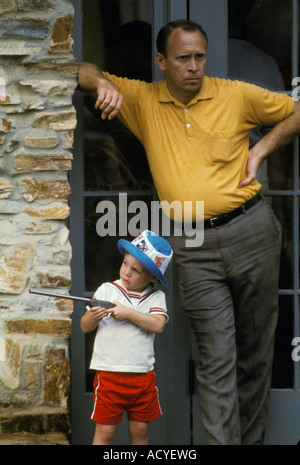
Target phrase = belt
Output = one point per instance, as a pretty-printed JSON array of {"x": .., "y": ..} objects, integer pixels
[{"x": 225, "y": 217}]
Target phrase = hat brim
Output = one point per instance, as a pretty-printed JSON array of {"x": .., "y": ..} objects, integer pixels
[{"x": 125, "y": 246}]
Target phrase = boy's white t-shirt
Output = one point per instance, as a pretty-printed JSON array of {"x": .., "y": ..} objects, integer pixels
[{"x": 121, "y": 345}]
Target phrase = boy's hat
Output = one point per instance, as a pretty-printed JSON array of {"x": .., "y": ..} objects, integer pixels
[{"x": 151, "y": 250}]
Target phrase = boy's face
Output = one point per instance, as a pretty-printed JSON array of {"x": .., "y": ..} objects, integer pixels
[{"x": 134, "y": 276}]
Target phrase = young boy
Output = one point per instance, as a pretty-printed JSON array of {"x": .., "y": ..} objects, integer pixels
[{"x": 123, "y": 353}]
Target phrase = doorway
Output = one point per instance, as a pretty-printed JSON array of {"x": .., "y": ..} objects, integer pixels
[{"x": 104, "y": 165}]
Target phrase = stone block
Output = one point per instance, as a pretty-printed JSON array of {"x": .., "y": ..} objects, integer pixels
[
  {"x": 5, "y": 188},
  {"x": 25, "y": 162},
  {"x": 68, "y": 139},
  {"x": 50, "y": 87},
  {"x": 58, "y": 121},
  {"x": 51, "y": 278},
  {"x": 28, "y": 439},
  {"x": 15, "y": 265},
  {"x": 39, "y": 421},
  {"x": 41, "y": 142},
  {"x": 30, "y": 5},
  {"x": 59, "y": 327},
  {"x": 61, "y": 38},
  {"x": 18, "y": 48},
  {"x": 54, "y": 189},
  {"x": 55, "y": 212},
  {"x": 57, "y": 378},
  {"x": 5, "y": 125},
  {"x": 11, "y": 145},
  {"x": 24, "y": 28},
  {"x": 32, "y": 375},
  {"x": 10, "y": 363}
]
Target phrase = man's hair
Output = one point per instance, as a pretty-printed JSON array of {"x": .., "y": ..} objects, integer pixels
[{"x": 165, "y": 32}]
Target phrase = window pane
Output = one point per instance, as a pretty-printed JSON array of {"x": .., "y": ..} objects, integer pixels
[
  {"x": 89, "y": 344},
  {"x": 118, "y": 38},
  {"x": 283, "y": 375},
  {"x": 105, "y": 217},
  {"x": 283, "y": 209}
]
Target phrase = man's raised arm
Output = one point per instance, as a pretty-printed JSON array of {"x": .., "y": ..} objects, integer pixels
[{"x": 94, "y": 83}]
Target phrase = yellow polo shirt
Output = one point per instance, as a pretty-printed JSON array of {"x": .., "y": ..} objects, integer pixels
[{"x": 199, "y": 152}]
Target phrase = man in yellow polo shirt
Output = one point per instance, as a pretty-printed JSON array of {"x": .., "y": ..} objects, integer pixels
[{"x": 195, "y": 132}]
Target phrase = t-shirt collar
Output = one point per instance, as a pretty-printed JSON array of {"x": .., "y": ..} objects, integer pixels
[
  {"x": 205, "y": 92},
  {"x": 145, "y": 291}
]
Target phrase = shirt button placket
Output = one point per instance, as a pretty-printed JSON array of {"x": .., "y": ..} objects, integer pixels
[{"x": 187, "y": 124}]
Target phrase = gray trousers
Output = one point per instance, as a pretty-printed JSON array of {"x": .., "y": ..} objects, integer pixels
[{"x": 229, "y": 290}]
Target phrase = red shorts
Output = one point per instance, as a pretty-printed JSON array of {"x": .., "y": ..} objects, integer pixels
[{"x": 134, "y": 393}]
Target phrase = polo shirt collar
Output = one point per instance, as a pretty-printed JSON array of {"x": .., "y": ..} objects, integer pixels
[{"x": 206, "y": 92}]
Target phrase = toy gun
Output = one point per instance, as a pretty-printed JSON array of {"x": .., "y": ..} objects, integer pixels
[{"x": 90, "y": 302}]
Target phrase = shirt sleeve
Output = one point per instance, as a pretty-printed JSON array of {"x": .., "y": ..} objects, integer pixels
[
  {"x": 158, "y": 305},
  {"x": 264, "y": 106},
  {"x": 134, "y": 92},
  {"x": 104, "y": 292}
]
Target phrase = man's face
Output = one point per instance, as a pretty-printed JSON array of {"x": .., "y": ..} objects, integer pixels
[{"x": 185, "y": 64}]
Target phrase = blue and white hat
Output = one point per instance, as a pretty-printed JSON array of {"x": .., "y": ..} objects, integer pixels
[{"x": 151, "y": 250}]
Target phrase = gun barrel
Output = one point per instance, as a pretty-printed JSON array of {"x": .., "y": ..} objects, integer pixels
[{"x": 62, "y": 296}]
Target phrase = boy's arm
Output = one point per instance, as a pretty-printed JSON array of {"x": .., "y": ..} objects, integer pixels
[
  {"x": 94, "y": 83},
  {"x": 150, "y": 323},
  {"x": 91, "y": 318}
]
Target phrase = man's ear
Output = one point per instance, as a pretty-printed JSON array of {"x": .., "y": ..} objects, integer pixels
[{"x": 160, "y": 60}]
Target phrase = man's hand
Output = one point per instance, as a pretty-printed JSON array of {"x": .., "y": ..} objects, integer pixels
[
  {"x": 92, "y": 81},
  {"x": 109, "y": 100},
  {"x": 253, "y": 165}
]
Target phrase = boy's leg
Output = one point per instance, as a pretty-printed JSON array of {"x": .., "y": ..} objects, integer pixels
[
  {"x": 104, "y": 434},
  {"x": 138, "y": 431}
]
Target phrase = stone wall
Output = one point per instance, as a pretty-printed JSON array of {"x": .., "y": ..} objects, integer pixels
[{"x": 38, "y": 75}]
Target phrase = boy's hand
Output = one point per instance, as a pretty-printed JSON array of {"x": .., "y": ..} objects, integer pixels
[
  {"x": 120, "y": 312},
  {"x": 149, "y": 323},
  {"x": 98, "y": 313}
]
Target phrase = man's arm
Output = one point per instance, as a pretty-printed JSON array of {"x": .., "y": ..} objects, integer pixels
[
  {"x": 94, "y": 83},
  {"x": 282, "y": 133}
]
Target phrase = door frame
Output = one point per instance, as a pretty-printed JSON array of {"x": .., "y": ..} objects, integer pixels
[{"x": 175, "y": 347}]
